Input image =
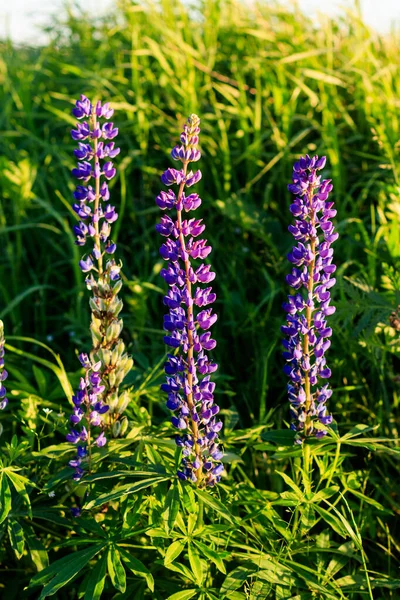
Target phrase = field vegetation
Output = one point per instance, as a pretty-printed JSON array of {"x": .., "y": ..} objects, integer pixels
[{"x": 269, "y": 84}]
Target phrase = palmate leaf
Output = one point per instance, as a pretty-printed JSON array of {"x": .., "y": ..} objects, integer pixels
[
  {"x": 174, "y": 550},
  {"x": 215, "y": 557},
  {"x": 97, "y": 579},
  {"x": 215, "y": 504},
  {"x": 137, "y": 567},
  {"x": 5, "y": 498},
  {"x": 281, "y": 437},
  {"x": 16, "y": 535},
  {"x": 184, "y": 595},
  {"x": 115, "y": 569},
  {"x": 332, "y": 520},
  {"x": 37, "y": 551},
  {"x": 195, "y": 564},
  {"x": 171, "y": 506},
  {"x": 236, "y": 578},
  {"x": 117, "y": 475},
  {"x": 19, "y": 482},
  {"x": 61, "y": 572},
  {"x": 124, "y": 490},
  {"x": 342, "y": 557}
]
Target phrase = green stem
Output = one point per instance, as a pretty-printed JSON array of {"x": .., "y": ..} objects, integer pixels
[
  {"x": 307, "y": 464},
  {"x": 200, "y": 514},
  {"x": 334, "y": 465}
]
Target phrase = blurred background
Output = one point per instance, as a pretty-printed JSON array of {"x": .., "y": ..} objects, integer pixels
[
  {"x": 23, "y": 20},
  {"x": 270, "y": 81}
]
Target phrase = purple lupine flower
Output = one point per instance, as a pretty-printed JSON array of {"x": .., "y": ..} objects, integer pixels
[
  {"x": 87, "y": 408},
  {"x": 307, "y": 332},
  {"x": 98, "y": 393},
  {"x": 188, "y": 385},
  {"x": 3, "y": 372},
  {"x": 90, "y": 168}
]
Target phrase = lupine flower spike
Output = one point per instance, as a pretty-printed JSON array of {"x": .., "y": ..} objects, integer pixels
[
  {"x": 97, "y": 401},
  {"x": 309, "y": 306},
  {"x": 3, "y": 372},
  {"x": 188, "y": 368}
]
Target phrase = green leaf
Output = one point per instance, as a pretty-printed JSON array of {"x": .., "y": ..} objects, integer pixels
[
  {"x": 369, "y": 500},
  {"x": 171, "y": 507},
  {"x": 281, "y": 437},
  {"x": 215, "y": 557},
  {"x": 57, "y": 369},
  {"x": 138, "y": 568},
  {"x": 185, "y": 595},
  {"x": 325, "y": 493},
  {"x": 58, "y": 574},
  {"x": 124, "y": 490},
  {"x": 37, "y": 551},
  {"x": 5, "y": 498},
  {"x": 115, "y": 474},
  {"x": 289, "y": 481},
  {"x": 214, "y": 504},
  {"x": 331, "y": 520},
  {"x": 235, "y": 579},
  {"x": 58, "y": 478},
  {"x": 391, "y": 584},
  {"x": 174, "y": 550},
  {"x": 19, "y": 482},
  {"x": 359, "y": 429},
  {"x": 307, "y": 518},
  {"x": 55, "y": 451},
  {"x": 16, "y": 535},
  {"x": 40, "y": 380},
  {"x": 188, "y": 498},
  {"x": 195, "y": 564},
  {"x": 344, "y": 555},
  {"x": 96, "y": 581},
  {"x": 115, "y": 569}
]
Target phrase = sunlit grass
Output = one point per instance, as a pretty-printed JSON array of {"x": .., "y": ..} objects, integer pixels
[{"x": 269, "y": 85}]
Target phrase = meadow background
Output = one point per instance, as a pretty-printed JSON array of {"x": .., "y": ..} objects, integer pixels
[{"x": 269, "y": 84}]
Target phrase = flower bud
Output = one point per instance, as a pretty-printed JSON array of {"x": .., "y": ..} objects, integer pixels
[
  {"x": 124, "y": 424},
  {"x": 116, "y": 429}
]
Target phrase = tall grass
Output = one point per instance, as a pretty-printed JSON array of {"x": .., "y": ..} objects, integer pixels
[{"x": 269, "y": 84}]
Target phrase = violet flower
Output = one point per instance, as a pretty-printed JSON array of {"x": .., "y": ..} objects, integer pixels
[
  {"x": 309, "y": 306},
  {"x": 188, "y": 368},
  {"x": 88, "y": 407},
  {"x": 97, "y": 401},
  {"x": 3, "y": 372}
]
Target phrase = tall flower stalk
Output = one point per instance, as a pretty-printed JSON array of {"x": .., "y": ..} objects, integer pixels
[
  {"x": 98, "y": 403},
  {"x": 188, "y": 368},
  {"x": 307, "y": 332},
  {"x": 3, "y": 372}
]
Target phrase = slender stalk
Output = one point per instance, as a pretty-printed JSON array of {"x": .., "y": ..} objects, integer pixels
[
  {"x": 190, "y": 320},
  {"x": 309, "y": 314},
  {"x": 308, "y": 333},
  {"x": 307, "y": 464},
  {"x": 334, "y": 465},
  {"x": 97, "y": 193},
  {"x": 200, "y": 514}
]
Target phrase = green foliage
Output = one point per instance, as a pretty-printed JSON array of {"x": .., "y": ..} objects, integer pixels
[{"x": 286, "y": 523}]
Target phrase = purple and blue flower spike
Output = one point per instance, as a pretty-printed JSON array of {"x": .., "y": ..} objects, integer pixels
[
  {"x": 3, "y": 372},
  {"x": 187, "y": 324},
  {"x": 98, "y": 404},
  {"x": 307, "y": 331}
]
